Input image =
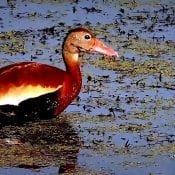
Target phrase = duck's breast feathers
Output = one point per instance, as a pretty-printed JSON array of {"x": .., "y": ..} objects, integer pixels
[{"x": 25, "y": 80}]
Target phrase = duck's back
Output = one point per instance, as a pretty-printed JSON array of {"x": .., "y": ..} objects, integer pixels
[{"x": 25, "y": 80}]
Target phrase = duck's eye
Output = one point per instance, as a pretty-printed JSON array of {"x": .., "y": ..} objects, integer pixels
[{"x": 87, "y": 37}]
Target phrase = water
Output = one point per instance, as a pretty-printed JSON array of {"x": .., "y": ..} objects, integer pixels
[{"x": 124, "y": 118}]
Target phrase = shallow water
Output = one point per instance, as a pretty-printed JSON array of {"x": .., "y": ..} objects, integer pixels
[{"x": 125, "y": 115}]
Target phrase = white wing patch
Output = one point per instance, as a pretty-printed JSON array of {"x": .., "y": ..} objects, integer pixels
[{"x": 15, "y": 95}]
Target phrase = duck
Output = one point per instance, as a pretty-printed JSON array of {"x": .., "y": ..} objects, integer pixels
[{"x": 35, "y": 90}]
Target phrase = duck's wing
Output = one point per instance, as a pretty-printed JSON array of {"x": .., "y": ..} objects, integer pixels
[{"x": 25, "y": 80}]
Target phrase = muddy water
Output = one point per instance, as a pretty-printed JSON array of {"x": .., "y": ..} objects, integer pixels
[{"x": 123, "y": 122}]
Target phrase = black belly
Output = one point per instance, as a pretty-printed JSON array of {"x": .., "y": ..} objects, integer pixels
[{"x": 42, "y": 107}]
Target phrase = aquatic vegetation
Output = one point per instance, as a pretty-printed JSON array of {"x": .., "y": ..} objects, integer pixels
[{"x": 11, "y": 42}]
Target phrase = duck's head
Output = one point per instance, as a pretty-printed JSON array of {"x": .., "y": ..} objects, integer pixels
[{"x": 81, "y": 39}]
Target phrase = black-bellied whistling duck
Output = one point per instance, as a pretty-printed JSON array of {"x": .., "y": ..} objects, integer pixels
[{"x": 33, "y": 89}]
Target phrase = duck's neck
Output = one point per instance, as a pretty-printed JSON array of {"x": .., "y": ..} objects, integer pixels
[
  {"x": 72, "y": 81},
  {"x": 72, "y": 66}
]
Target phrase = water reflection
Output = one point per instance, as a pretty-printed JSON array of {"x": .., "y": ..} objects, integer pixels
[{"x": 40, "y": 144}]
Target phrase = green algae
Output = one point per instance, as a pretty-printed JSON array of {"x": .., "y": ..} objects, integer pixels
[
  {"x": 148, "y": 67},
  {"x": 150, "y": 48},
  {"x": 11, "y": 42},
  {"x": 47, "y": 1},
  {"x": 138, "y": 3}
]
